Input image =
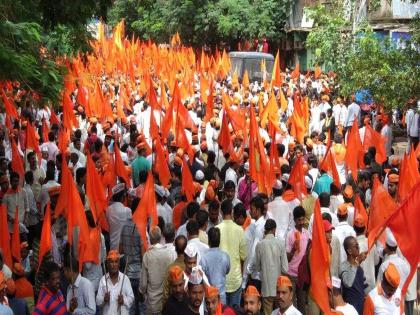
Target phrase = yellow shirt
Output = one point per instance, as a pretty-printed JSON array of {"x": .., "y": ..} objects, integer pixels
[{"x": 232, "y": 241}]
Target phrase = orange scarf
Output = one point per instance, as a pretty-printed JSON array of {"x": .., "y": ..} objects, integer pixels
[
  {"x": 247, "y": 222},
  {"x": 288, "y": 195}
]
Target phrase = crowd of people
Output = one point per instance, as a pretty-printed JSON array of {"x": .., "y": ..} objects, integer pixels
[{"x": 213, "y": 237}]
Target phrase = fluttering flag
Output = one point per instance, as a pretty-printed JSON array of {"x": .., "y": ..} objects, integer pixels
[
  {"x": 354, "y": 148},
  {"x": 328, "y": 165},
  {"x": 120, "y": 169},
  {"x": 276, "y": 78},
  {"x": 209, "y": 104},
  {"x": 45, "y": 244},
  {"x": 296, "y": 72},
  {"x": 146, "y": 208},
  {"x": 15, "y": 246},
  {"x": 187, "y": 181},
  {"x": 359, "y": 209},
  {"x": 94, "y": 190},
  {"x": 224, "y": 139},
  {"x": 374, "y": 139},
  {"x": 45, "y": 130},
  {"x": 317, "y": 72},
  {"x": 270, "y": 113},
  {"x": 17, "y": 163},
  {"x": 5, "y": 237},
  {"x": 245, "y": 80},
  {"x": 297, "y": 179},
  {"x": 9, "y": 107},
  {"x": 161, "y": 164},
  {"x": 319, "y": 258},
  {"x": 404, "y": 224},
  {"x": 32, "y": 138},
  {"x": 409, "y": 175},
  {"x": 381, "y": 207}
]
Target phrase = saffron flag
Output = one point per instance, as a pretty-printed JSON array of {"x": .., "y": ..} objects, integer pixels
[
  {"x": 45, "y": 244},
  {"x": 381, "y": 207},
  {"x": 120, "y": 169},
  {"x": 17, "y": 163},
  {"x": 404, "y": 224},
  {"x": 146, "y": 206},
  {"x": 5, "y": 237},
  {"x": 320, "y": 262},
  {"x": 15, "y": 246}
]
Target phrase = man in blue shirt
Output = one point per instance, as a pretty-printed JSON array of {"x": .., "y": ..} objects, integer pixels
[
  {"x": 216, "y": 263},
  {"x": 323, "y": 183},
  {"x": 140, "y": 163}
]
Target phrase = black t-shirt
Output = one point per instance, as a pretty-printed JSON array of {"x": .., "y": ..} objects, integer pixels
[{"x": 174, "y": 307}]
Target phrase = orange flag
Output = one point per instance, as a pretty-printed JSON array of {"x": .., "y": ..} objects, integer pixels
[
  {"x": 270, "y": 113},
  {"x": 409, "y": 175},
  {"x": 359, "y": 209},
  {"x": 224, "y": 136},
  {"x": 245, "y": 80},
  {"x": 154, "y": 129},
  {"x": 296, "y": 72},
  {"x": 283, "y": 101},
  {"x": 5, "y": 237},
  {"x": 276, "y": 78},
  {"x": 161, "y": 164},
  {"x": 297, "y": 179},
  {"x": 94, "y": 190},
  {"x": 70, "y": 205},
  {"x": 328, "y": 165},
  {"x": 45, "y": 130},
  {"x": 15, "y": 246},
  {"x": 89, "y": 249},
  {"x": 354, "y": 147},
  {"x": 45, "y": 244},
  {"x": 69, "y": 119},
  {"x": 318, "y": 72},
  {"x": 54, "y": 119},
  {"x": 320, "y": 262},
  {"x": 120, "y": 169},
  {"x": 259, "y": 166},
  {"x": 32, "y": 137},
  {"x": 404, "y": 224},
  {"x": 209, "y": 104},
  {"x": 17, "y": 163},
  {"x": 147, "y": 205},
  {"x": 9, "y": 107},
  {"x": 373, "y": 138},
  {"x": 381, "y": 207},
  {"x": 187, "y": 182}
]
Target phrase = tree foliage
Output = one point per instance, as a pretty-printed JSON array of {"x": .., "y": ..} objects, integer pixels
[
  {"x": 35, "y": 32},
  {"x": 202, "y": 22},
  {"x": 362, "y": 60}
]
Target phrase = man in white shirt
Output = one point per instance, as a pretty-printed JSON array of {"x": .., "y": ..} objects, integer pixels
[
  {"x": 412, "y": 120},
  {"x": 281, "y": 211},
  {"x": 352, "y": 113},
  {"x": 285, "y": 298},
  {"x": 115, "y": 295},
  {"x": 80, "y": 292},
  {"x": 324, "y": 201},
  {"x": 372, "y": 258},
  {"x": 192, "y": 234},
  {"x": 391, "y": 256},
  {"x": 343, "y": 229},
  {"x": 117, "y": 215}
]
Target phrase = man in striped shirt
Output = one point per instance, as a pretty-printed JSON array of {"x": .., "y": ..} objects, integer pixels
[{"x": 51, "y": 299}]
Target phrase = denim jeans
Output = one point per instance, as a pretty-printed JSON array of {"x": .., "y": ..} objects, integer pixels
[{"x": 234, "y": 298}]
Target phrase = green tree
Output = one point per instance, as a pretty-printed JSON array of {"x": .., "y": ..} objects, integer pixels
[
  {"x": 364, "y": 61},
  {"x": 202, "y": 22},
  {"x": 28, "y": 27}
]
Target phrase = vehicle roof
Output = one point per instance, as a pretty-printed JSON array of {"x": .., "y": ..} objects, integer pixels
[{"x": 251, "y": 54}]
